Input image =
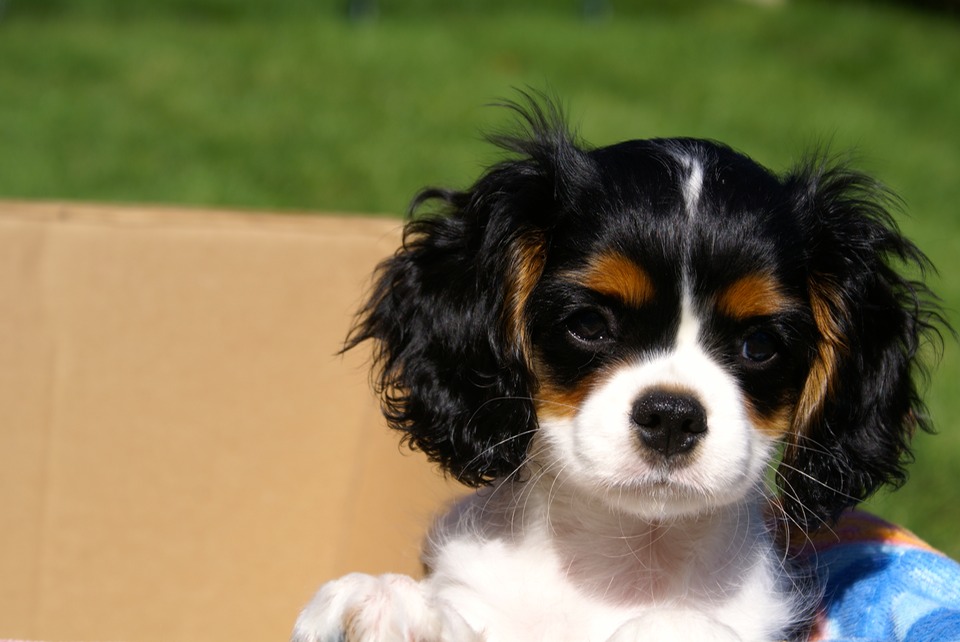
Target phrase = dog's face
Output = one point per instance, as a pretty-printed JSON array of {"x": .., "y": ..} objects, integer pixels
[
  {"x": 650, "y": 321},
  {"x": 669, "y": 330}
]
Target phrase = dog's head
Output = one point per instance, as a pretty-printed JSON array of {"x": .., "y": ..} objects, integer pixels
[{"x": 655, "y": 320}]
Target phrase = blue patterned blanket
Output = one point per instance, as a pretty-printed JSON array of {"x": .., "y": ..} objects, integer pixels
[{"x": 882, "y": 583}]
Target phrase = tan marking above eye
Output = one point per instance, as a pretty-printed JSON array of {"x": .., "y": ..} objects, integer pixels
[
  {"x": 754, "y": 295},
  {"x": 616, "y": 276}
]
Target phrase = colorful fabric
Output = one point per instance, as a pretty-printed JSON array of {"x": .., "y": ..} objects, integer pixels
[{"x": 882, "y": 584}]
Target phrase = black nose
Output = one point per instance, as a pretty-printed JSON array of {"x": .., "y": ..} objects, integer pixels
[{"x": 669, "y": 423}]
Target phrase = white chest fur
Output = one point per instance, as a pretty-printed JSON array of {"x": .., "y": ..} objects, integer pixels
[
  {"x": 518, "y": 563},
  {"x": 517, "y": 567}
]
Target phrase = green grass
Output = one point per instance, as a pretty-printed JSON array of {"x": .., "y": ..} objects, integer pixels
[{"x": 288, "y": 106}]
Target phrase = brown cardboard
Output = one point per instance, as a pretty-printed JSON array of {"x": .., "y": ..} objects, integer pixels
[{"x": 182, "y": 454}]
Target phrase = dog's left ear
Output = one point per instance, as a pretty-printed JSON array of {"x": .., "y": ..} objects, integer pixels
[{"x": 860, "y": 405}]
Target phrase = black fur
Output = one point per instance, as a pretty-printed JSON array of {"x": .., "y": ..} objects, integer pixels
[
  {"x": 450, "y": 380},
  {"x": 458, "y": 382},
  {"x": 861, "y": 439}
]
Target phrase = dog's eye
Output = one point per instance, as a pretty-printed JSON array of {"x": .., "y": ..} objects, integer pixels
[
  {"x": 759, "y": 347},
  {"x": 588, "y": 325}
]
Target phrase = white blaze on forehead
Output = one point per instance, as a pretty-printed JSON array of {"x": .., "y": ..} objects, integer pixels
[
  {"x": 693, "y": 184},
  {"x": 688, "y": 331}
]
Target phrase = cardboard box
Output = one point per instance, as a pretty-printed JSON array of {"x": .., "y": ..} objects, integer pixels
[{"x": 183, "y": 455}]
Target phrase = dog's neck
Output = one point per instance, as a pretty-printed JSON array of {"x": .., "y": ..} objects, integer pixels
[{"x": 606, "y": 549}]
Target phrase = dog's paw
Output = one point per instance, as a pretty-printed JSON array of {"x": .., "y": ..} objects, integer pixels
[
  {"x": 384, "y": 608},
  {"x": 669, "y": 625}
]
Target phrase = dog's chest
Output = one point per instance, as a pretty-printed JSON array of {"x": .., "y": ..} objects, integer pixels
[
  {"x": 521, "y": 594},
  {"x": 530, "y": 591}
]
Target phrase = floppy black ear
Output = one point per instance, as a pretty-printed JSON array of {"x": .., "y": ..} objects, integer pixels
[
  {"x": 860, "y": 404},
  {"x": 447, "y": 310}
]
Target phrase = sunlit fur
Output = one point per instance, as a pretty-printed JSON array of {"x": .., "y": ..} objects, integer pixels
[{"x": 615, "y": 345}]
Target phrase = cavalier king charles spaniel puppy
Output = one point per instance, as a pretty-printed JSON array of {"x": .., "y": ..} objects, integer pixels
[{"x": 653, "y": 360}]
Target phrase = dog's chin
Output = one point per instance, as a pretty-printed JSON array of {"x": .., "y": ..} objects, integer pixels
[{"x": 667, "y": 500}]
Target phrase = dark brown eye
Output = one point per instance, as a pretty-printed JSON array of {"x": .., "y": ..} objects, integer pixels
[
  {"x": 759, "y": 347},
  {"x": 588, "y": 325}
]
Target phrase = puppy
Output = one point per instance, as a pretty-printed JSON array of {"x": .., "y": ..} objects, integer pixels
[{"x": 619, "y": 347}]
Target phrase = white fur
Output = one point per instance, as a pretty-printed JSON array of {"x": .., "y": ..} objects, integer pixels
[
  {"x": 693, "y": 185},
  {"x": 594, "y": 540}
]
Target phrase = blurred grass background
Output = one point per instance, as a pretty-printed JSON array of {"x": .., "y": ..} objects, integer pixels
[{"x": 294, "y": 105}]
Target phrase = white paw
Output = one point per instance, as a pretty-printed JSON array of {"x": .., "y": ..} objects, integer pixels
[
  {"x": 674, "y": 625},
  {"x": 383, "y": 608}
]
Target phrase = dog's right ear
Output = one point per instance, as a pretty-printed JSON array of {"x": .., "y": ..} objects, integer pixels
[
  {"x": 450, "y": 363},
  {"x": 447, "y": 312}
]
